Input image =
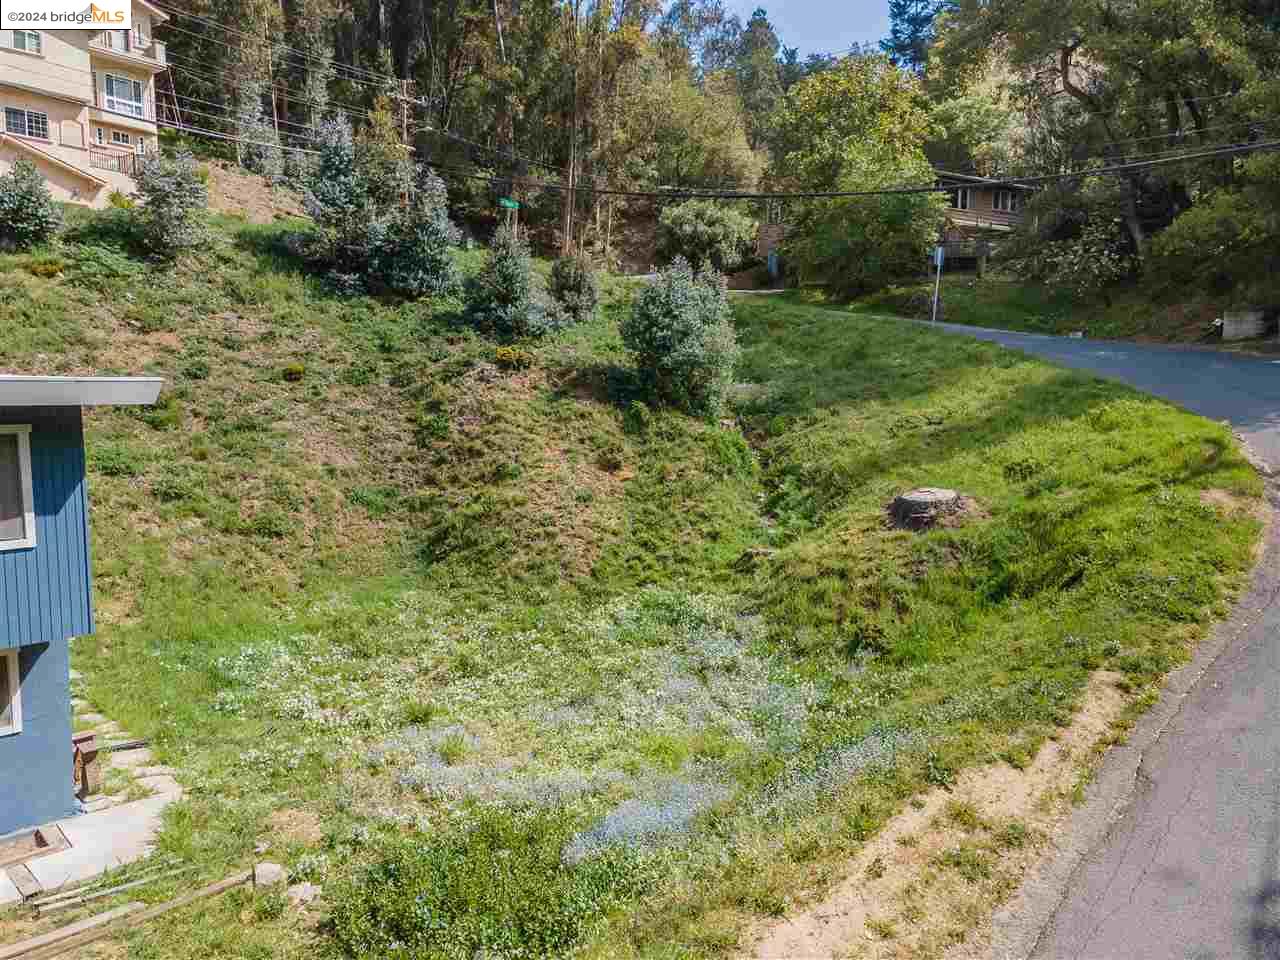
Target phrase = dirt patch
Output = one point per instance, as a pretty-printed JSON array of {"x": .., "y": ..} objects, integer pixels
[
  {"x": 237, "y": 192},
  {"x": 292, "y": 825},
  {"x": 927, "y": 884},
  {"x": 1232, "y": 503}
]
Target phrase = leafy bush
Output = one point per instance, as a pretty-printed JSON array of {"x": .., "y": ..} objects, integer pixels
[
  {"x": 706, "y": 232},
  {"x": 682, "y": 337},
  {"x": 505, "y": 298},
  {"x": 575, "y": 286},
  {"x": 1073, "y": 236},
  {"x": 861, "y": 244},
  {"x": 173, "y": 198},
  {"x": 28, "y": 214},
  {"x": 121, "y": 201},
  {"x": 368, "y": 240},
  {"x": 1229, "y": 242},
  {"x": 500, "y": 890}
]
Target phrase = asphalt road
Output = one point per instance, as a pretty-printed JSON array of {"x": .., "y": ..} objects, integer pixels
[{"x": 1186, "y": 860}]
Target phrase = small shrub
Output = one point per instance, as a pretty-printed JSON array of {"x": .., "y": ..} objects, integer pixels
[
  {"x": 96, "y": 266},
  {"x": 174, "y": 198},
  {"x": 706, "y": 233},
  {"x": 293, "y": 372},
  {"x": 575, "y": 286},
  {"x": 377, "y": 501},
  {"x": 114, "y": 460},
  {"x": 359, "y": 374},
  {"x": 500, "y": 889},
  {"x": 46, "y": 267},
  {"x": 505, "y": 299},
  {"x": 196, "y": 369},
  {"x": 512, "y": 358},
  {"x": 420, "y": 713},
  {"x": 271, "y": 524},
  {"x": 682, "y": 338},
  {"x": 174, "y": 485},
  {"x": 122, "y": 201},
  {"x": 28, "y": 214}
]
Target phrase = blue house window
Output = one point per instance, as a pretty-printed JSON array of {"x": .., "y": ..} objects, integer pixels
[
  {"x": 17, "y": 509},
  {"x": 10, "y": 694}
]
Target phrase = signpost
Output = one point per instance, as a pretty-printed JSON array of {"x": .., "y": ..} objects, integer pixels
[
  {"x": 511, "y": 206},
  {"x": 939, "y": 257}
]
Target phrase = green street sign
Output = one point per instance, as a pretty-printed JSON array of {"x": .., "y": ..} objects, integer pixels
[{"x": 508, "y": 203}]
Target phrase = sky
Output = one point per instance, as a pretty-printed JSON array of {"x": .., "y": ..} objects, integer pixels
[{"x": 821, "y": 26}]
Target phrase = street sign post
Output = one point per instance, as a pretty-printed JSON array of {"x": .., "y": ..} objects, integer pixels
[
  {"x": 512, "y": 207},
  {"x": 939, "y": 257}
]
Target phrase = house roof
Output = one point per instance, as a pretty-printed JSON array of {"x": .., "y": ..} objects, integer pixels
[
  {"x": 970, "y": 178},
  {"x": 17, "y": 391},
  {"x": 155, "y": 11},
  {"x": 51, "y": 159}
]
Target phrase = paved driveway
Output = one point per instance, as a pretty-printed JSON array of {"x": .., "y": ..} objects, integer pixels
[{"x": 1189, "y": 867}]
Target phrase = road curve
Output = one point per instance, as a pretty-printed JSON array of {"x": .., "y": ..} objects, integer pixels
[
  {"x": 1241, "y": 389},
  {"x": 1179, "y": 855}
]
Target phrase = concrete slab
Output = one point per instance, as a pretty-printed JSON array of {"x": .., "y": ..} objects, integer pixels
[
  {"x": 130, "y": 759},
  {"x": 162, "y": 784},
  {"x": 93, "y": 718},
  {"x": 8, "y": 890},
  {"x": 102, "y": 841}
]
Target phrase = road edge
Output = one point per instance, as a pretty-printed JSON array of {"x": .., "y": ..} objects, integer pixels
[{"x": 1020, "y": 925}]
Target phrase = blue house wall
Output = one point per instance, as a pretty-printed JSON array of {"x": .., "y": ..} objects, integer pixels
[
  {"x": 45, "y": 591},
  {"x": 36, "y": 779},
  {"x": 45, "y": 599}
]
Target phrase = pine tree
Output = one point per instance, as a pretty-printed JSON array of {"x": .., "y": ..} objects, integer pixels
[{"x": 912, "y": 31}]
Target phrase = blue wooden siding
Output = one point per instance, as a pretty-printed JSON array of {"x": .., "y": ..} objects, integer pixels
[
  {"x": 37, "y": 786},
  {"x": 45, "y": 591}
]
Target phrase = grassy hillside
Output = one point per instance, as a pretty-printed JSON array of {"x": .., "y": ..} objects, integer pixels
[
  {"x": 506, "y": 658},
  {"x": 1010, "y": 303}
]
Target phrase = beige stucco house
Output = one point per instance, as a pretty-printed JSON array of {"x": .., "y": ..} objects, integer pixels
[{"x": 80, "y": 104}]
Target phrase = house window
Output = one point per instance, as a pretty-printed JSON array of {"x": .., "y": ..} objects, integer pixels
[
  {"x": 26, "y": 123},
  {"x": 10, "y": 694},
  {"x": 101, "y": 136},
  {"x": 124, "y": 95},
  {"x": 17, "y": 510},
  {"x": 1004, "y": 201},
  {"x": 28, "y": 40},
  {"x": 962, "y": 198},
  {"x": 119, "y": 138}
]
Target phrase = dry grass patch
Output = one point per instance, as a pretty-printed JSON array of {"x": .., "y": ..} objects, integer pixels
[{"x": 929, "y": 881}]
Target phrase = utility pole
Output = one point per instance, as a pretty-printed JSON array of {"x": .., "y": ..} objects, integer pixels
[{"x": 404, "y": 133}]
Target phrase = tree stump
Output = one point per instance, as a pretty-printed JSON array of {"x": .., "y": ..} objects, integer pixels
[{"x": 920, "y": 508}]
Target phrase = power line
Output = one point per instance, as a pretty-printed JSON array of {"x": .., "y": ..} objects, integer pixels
[{"x": 371, "y": 74}]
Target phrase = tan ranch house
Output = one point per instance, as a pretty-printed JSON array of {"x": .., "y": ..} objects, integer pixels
[{"x": 80, "y": 104}]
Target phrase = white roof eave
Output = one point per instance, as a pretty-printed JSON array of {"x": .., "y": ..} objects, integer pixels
[{"x": 17, "y": 391}]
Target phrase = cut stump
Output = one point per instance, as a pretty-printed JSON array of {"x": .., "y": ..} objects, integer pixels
[{"x": 921, "y": 508}]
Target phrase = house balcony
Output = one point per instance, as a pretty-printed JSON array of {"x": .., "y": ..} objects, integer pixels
[
  {"x": 132, "y": 49},
  {"x": 1002, "y": 221},
  {"x": 114, "y": 161}
]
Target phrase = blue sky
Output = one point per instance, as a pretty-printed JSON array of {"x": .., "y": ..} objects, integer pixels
[{"x": 821, "y": 26}]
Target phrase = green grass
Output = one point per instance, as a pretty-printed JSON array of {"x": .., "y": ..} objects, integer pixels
[
  {"x": 1006, "y": 302},
  {"x": 558, "y": 663}
]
